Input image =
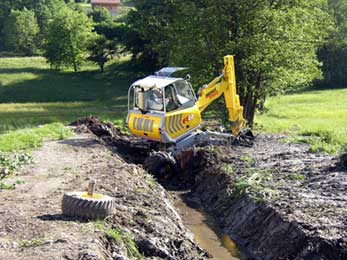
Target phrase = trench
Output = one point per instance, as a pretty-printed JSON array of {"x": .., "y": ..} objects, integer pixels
[
  {"x": 207, "y": 234},
  {"x": 205, "y": 230}
]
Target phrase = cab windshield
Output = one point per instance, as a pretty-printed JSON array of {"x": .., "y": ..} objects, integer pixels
[
  {"x": 184, "y": 93},
  {"x": 178, "y": 95},
  {"x": 153, "y": 99}
]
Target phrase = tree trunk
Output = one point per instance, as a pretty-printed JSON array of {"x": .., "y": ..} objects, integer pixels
[{"x": 251, "y": 100}]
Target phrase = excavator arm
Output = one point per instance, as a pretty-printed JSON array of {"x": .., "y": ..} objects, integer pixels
[{"x": 224, "y": 84}]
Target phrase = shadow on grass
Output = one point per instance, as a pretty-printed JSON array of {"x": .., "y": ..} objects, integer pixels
[{"x": 50, "y": 86}]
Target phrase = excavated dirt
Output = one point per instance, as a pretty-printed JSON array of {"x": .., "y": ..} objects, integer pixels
[
  {"x": 32, "y": 227},
  {"x": 275, "y": 199}
]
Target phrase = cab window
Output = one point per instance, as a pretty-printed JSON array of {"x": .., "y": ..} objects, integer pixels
[
  {"x": 171, "y": 101},
  {"x": 185, "y": 93}
]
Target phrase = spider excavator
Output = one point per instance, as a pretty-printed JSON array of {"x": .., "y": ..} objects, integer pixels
[{"x": 165, "y": 109}]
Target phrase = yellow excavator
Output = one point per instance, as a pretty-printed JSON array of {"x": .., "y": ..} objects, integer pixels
[{"x": 165, "y": 109}]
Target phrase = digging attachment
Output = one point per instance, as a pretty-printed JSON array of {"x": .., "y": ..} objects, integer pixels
[{"x": 160, "y": 164}]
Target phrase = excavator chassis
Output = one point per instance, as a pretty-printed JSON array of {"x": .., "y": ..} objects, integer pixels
[{"x": 161, "y": 163}]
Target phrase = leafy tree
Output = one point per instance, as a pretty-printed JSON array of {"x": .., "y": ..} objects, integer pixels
[
  {"x": 100, "y": 15},
  {"x": 147, "y": 32},
  {"x": 101, "y": 51},
  {"x": 68, "y": 36},
  {"x": 275, "y": 42},
  {"x": 20, "y": 31},
  {"x": 334, "y": 52},
  {"x": 44, "y": 10}
]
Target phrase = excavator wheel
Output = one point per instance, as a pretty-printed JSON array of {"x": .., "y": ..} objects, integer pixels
[
  {"x": 82, "y": 205},
  {"x": 160, "y": 164}
]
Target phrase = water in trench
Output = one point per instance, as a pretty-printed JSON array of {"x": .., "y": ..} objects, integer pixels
[{"x": 206, "y": 233}]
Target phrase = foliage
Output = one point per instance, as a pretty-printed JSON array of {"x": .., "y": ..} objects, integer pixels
[
  {"x": 101, "y": 51},
  {"x": 44, "y": 9},
  {"x": 34, "y": 242},
  {"x": 147, "y": 35},
  {"x": 256, "y": 183},
  {"x": 100, "y": 15},
  {"x": 275, "y": 42},
  {"x": 9, "y": 163},
  {"x": 334, "y": 52},
  {"x": 20, "y": 31},
  {"x": 32, "y": 138},
  {"x": 68, "y": 36}
]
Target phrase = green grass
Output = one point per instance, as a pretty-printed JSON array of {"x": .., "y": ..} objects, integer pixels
[
  {"x": 31, "y": 95},
  {"x": 315, "y": 117},
  {"x": 29, "y": 138}
]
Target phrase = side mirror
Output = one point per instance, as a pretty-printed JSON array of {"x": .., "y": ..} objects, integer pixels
[
  {"x": 187, "y": 77},
  {"x": 142, "y": 101}
]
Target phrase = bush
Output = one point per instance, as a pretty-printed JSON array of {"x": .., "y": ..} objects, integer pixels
[{"x": 20, "y": 31}]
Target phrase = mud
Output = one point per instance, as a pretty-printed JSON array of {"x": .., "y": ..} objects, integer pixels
[{"x": 276, "y": 200}]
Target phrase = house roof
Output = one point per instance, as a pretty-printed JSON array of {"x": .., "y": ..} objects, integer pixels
[{"x": 107, "y": 2}]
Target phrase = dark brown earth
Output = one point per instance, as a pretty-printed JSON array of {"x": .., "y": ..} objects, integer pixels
[{"x": 277, "y": 200}]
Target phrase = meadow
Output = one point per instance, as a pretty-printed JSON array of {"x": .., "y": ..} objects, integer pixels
[
  {"x": 317, "y": 117},
  {"x": 32, "y": 95}
]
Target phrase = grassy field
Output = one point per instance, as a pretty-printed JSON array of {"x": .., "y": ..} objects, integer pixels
[
  {"x": 315, "y": 117},
  {"x": 31, "y": 95}
]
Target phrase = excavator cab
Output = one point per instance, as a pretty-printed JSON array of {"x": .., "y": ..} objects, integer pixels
[{"x": 162, "y": 108}]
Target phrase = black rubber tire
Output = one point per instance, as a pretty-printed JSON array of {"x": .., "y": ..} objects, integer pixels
[
  {"x": 160, "y": 164},
  {"x": 74, "y": 204}
]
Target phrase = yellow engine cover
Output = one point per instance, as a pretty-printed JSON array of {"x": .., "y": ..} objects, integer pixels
[
  {"x": 165, "y": 128},
  {"x": 145, "y": 125},
  {"x": 178, "y": 123}
]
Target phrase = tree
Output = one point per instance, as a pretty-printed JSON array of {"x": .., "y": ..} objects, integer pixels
[
  {"x": 100, "y": 15},
  {"x": 68, "y": 36},
  {"x": 101, "y": 51},
  {"x": 44, "y": 10},
  {"x": 275, "y": 42},
  {"x": 20, "y": 31},
  {"x": 334, "y": 52}
]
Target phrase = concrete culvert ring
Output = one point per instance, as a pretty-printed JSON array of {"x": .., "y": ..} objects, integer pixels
[{"x": 82, "y": 205}]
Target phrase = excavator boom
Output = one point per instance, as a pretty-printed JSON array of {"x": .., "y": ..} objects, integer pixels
[{"x": 224, "y": 84}]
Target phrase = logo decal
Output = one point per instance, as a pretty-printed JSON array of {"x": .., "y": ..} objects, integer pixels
[{"x": 188, "y": 118}]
